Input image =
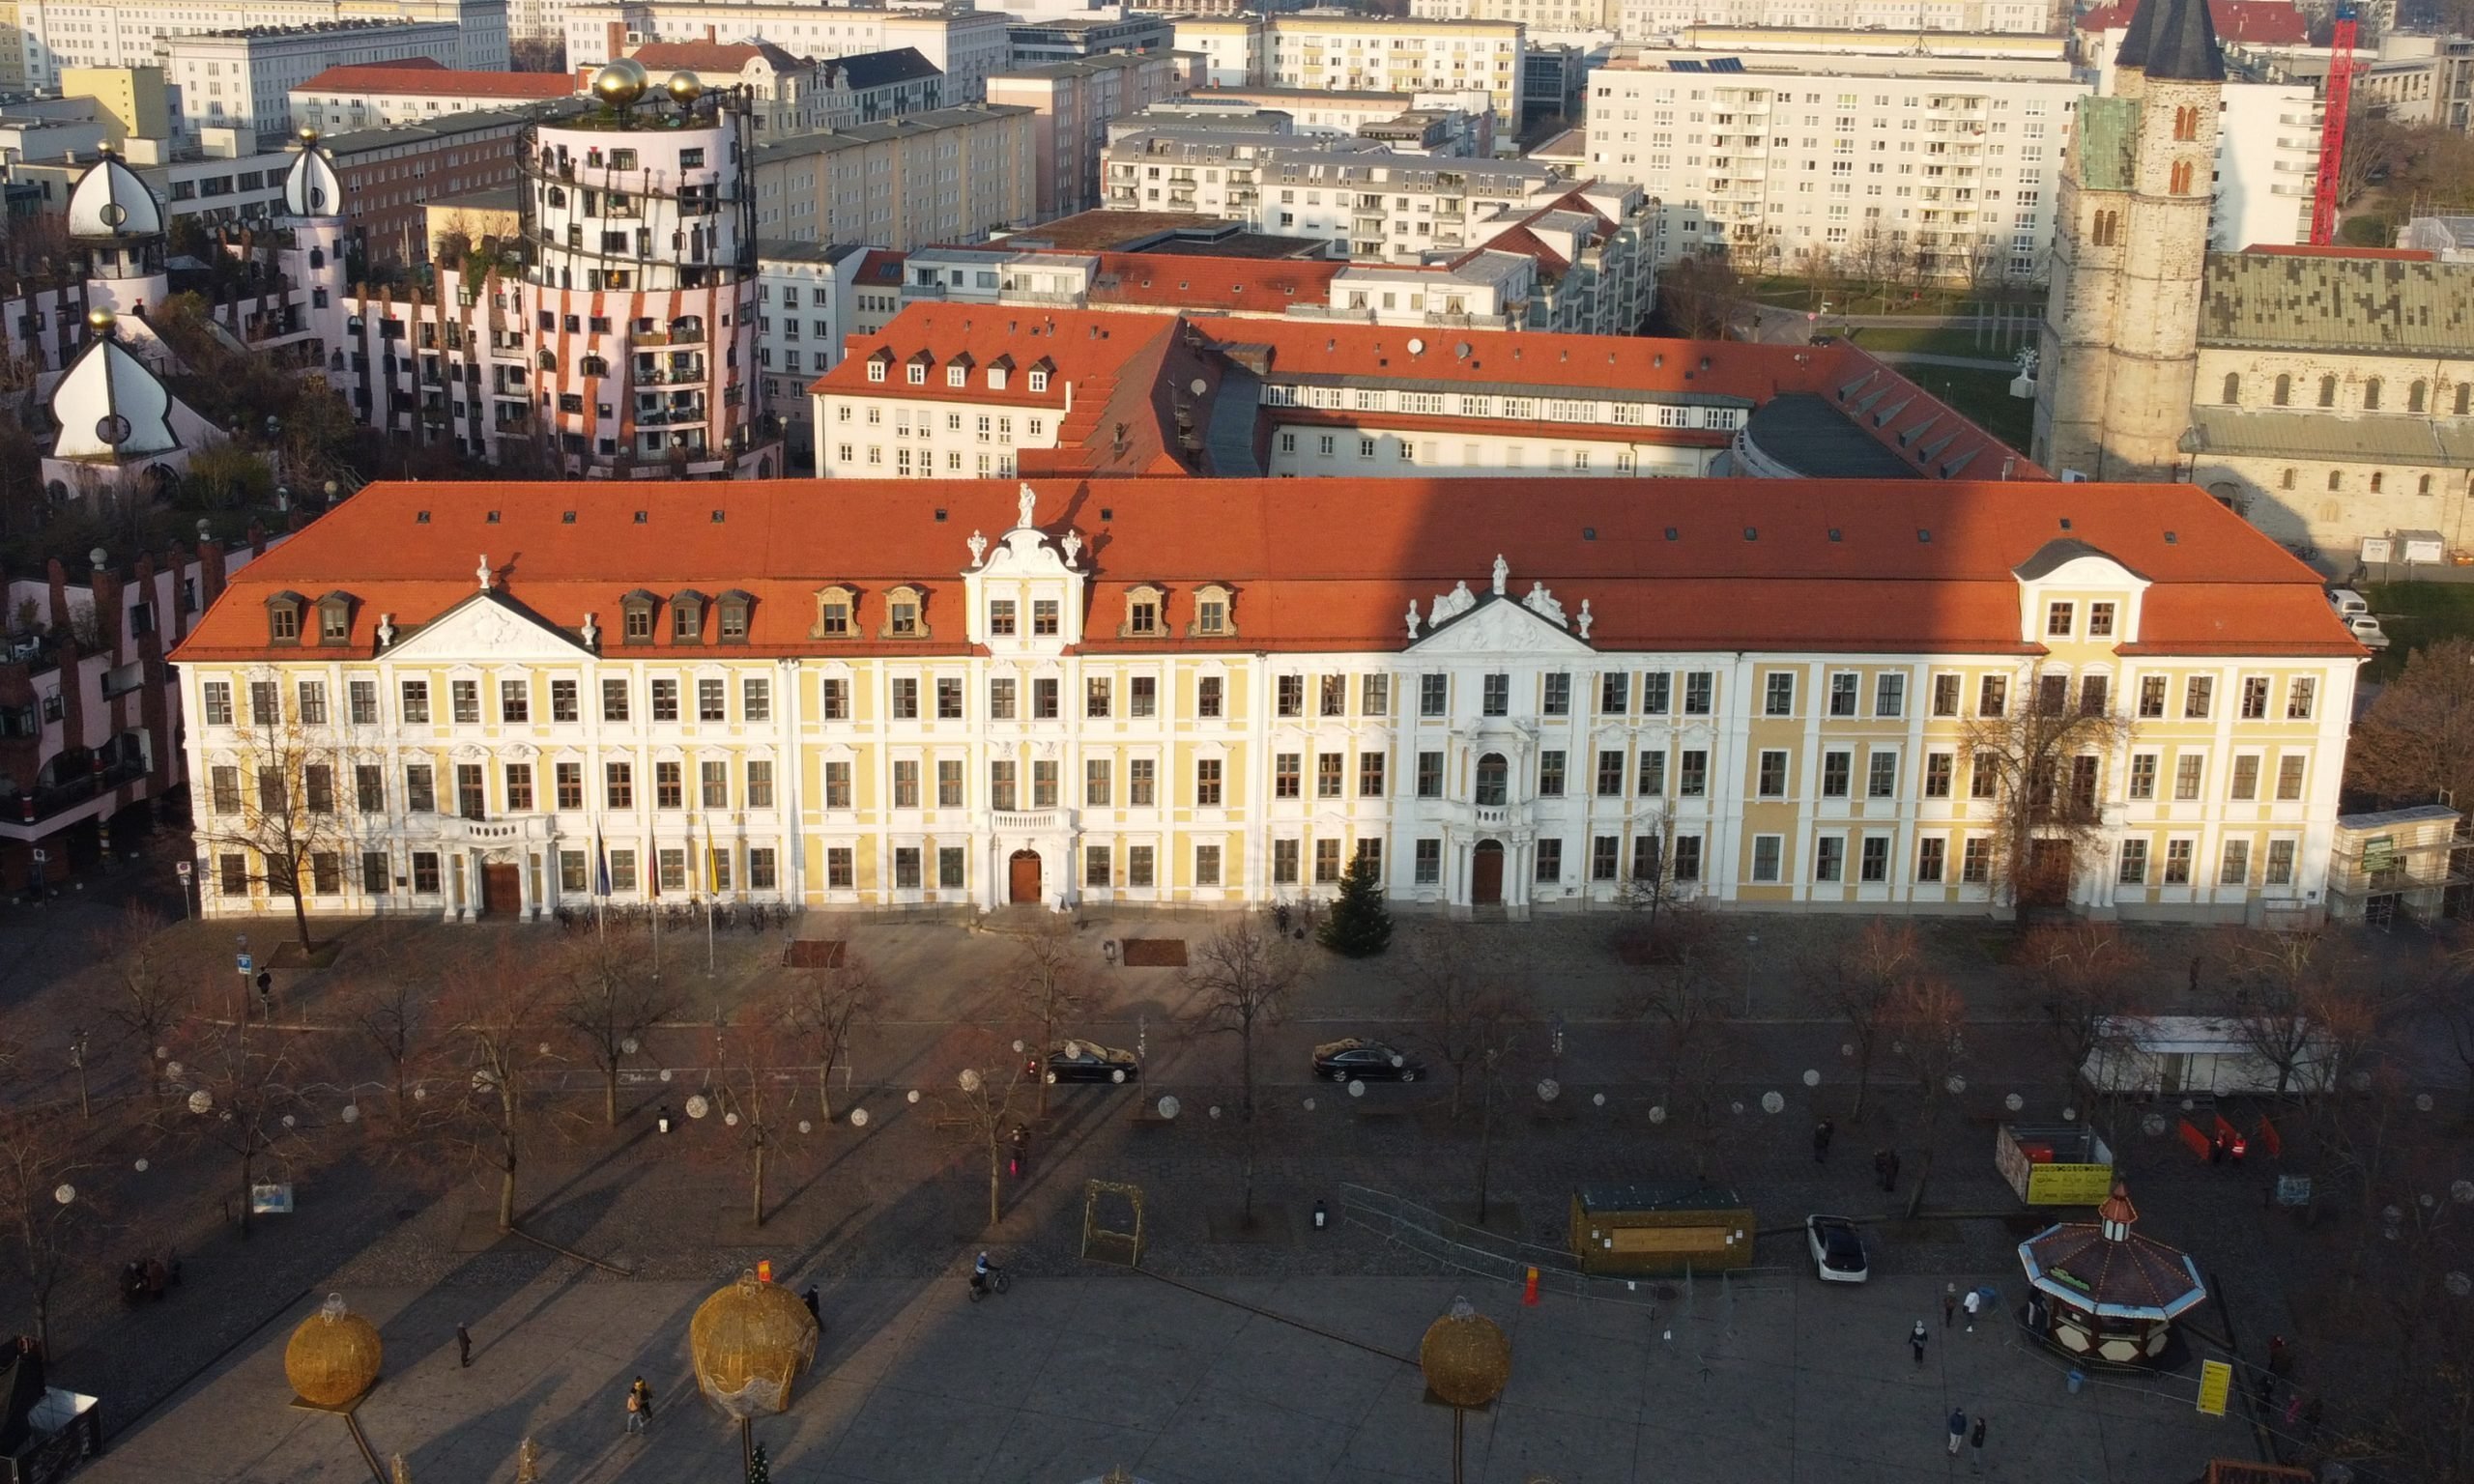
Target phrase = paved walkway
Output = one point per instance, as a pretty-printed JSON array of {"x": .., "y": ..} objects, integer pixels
[{"x": 1067, "y": 1377}]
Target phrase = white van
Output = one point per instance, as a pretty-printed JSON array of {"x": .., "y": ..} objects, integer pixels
[{"x": 2347, "y": 602}]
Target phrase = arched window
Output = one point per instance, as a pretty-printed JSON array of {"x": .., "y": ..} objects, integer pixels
[
  {"x": 1491, "y": 775},
  {"x": 2108, "y": 226},
  {"x": 2370, "y": 395},
  {"x": 2327, "y": 391},
  {"x": 2285, "y": 392},
  {"x": 2233, "y": 388},
  {"x": 549, "y": 362},
  {"x": 2186, "y": 122},
  {"x": 2417, "y": 396},
  {"x": 2178, "y": 179}
]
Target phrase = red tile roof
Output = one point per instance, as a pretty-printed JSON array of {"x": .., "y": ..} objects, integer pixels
[
  {"x": 717, "y": 57},
  {"x": 2255, "y": 22},
  {"x": 1140, "y": 280},
  {"x": 422, "y": 75},
  {"x": 2340, "y": 250},
  {"x": 1314, "y": 564}
]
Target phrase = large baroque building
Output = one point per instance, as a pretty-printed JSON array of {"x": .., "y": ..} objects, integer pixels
[{"x": 1511, "y": 699}]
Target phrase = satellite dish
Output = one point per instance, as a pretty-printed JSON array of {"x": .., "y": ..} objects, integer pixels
[
  {"x": 1417, "y": 347},
  {"x": 1462, "y": 350},
  {"x": 1198, "y": 385}
]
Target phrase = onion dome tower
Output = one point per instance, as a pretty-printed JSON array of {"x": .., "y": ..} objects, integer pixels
[{"x": 118, "y": 225}]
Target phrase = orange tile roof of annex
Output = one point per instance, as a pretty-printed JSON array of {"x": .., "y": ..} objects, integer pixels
[{"x": 1314, "y": 564}]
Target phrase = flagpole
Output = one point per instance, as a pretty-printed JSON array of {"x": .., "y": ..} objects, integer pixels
[{"x": 712, "y": 890}]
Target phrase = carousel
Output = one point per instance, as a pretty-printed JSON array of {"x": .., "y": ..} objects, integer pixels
[{"x": 2101, "y": 1292}]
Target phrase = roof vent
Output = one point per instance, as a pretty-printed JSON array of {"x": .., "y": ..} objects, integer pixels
[
  {"x": 1705, "y": 363},
  {"x": 566, "y": 517},
  {"x": 420, "y": 517},
  {"x": 940, "y": 515},
  {"x": 1108, "y": 512},
  {"x": 717, "y": 517},
  {"x": 644, "y": 518},
  {"x": 1752, "y": 532},
  {"x": 1924, "y": 537},
  {"x": 1659, "y": 359},
  {"x": 1833, "y": 532},
  {"x": 1670, "y": 534},
  {"x": 1589, "y": 532},
  {"x": 491, "y": 519},
  {"x": 2065, "y": 522},
  {"x": 2170, "y": 538}
]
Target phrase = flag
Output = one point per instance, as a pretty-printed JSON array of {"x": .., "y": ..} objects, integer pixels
[{"x": 601, "y": 866}]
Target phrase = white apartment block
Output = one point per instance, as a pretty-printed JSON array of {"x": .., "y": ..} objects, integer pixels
[
  {"x": 1468, "y": 116},
  {"x": 1781, "y": 159},
  {"x": 951, "y": 175},
  {"x": 967, "y": 47},
  {"x": 58, "y": 34},
  {"x": 807, "y": 300},
  {"x": 1637, "y": 21},
  {"x": 243, "y": 79},
  {"x": 1073, "y": 103},
  {"x": 2267, "y": 166},
  {"x": 1325, "y": 51},
  {"x": 1369, "y": 202}
]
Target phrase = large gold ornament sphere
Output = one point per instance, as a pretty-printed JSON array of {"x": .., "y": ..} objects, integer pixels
[
  {"x": 749, "y": 1341},
  {"x": 622, "y": 82},
  {"x": 1465, "y": 1357},
  {"x": 684, "y": 88},
  {"x": 100, "y": 320},
  {"x": 333, "y": 1357}
]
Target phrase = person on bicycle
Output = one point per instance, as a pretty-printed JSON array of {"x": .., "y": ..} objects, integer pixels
[{"x": 979, "y": 1274}]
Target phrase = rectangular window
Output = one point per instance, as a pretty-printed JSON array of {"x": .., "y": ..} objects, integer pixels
[
  {"x": 519, "y": 787},
  {"x": 1043, "y": 782},
  {"x": 1283, "y": 863},
  {"x": 2246, "y": 778},
  {"x": 2177, "y": 863},
  {"x": 2188, "y": 769},
  {"x": 2061, "y": 619},
  {"x": 1654, "y": 687},
  {"x": 1550, "y": 773},
  {"x": 567, "y": 785},
  {"x": 2301, "y": 693},
  {"x": 216, "y": 697},
  {"x": 1875, "y": 863},
  {"x": 669, "y": 868},
  {"x": 905, "y": 867},
  {"x": 1286, "y": 774},
  {"x": 1290, "y": 696},
  {"x": 1692, "y": 774},
  {"x": 2290, "y": 776},
  {"x": 841, "y": 867},
  {"x": 313, "y": 695},
  {"x": 949, "y": 784},
  {"x": 1773, "y": 782},
  {"x": 1142, "y": 696},
  {"x": 465, "y": 697},
  {"x": 1000, "y": 699},
  {"x": 1001, "y": 779},
  {"x": 837, "y": 702},
  {"x": 905, "y": 699},
  {"x": 1141, "y": 786},
  {"x": 1932, "y": 853},
  {"x": 665, "y": 700},
  {"x": 1369, "y": 775},
  {"x": 2151, "y": 696},
  {"x": 905, "y": 783},
  {"x": 1993, "y": 695},
  {"x": 1207, "y": 783},
  {"x": 2142, "y": 776},
  {"x": 762, "y": 875},
  {"x": 266, "y": 703},
  {"x": 1427, "y": 863},
  {"x": 1778, "y": 694},
  {"x": 1946, "y": 694},
  {"x": 1843, "y": 691},
  {"x": 759, "y": 784},
  {"x": 2133, "y": 867},
  {"x": 1043, "y": 616},
  {"x": 1206, "y": 865},
  {"x": 1000, "y": 616},
  {"x": 1697, "y": 687},
  {"x": 1835, "y": 767},
  {"x": 1766, "y": 852},
  {"x": 755, "y": 698},
  {"x": 227, "y": 789},
  {"x": 1433, "y": 694},
  {"x": 949, "y": 699},
  {"x": 2255, "y": 698},
  {"x": 670, "y": 785},
  {"x": 415, "y": 703},
  {"x": 837, "y": 784},
  {"x": 1096, "y": 783},
  {"x": 2092, "y": 695},
  {"x": 1429, "y": 775},
  {"x": 1605, "y": 853},
  {"x": 1327, "y": 861},
  {"x": 1881, "y": 778},
  {"x": 1976, "y": 862},
  {"x": 1207, "y": 697},
  {"x": 1687, "y": 858},
  {"x": 420, "y": 789},
  {"x": 1889, "y": 695},
  {"x": 1610, "y": 774},
  {"x": 1652, "y": 772},
  {"x": 232, "y": 873},
  {"x": 515, "y": 702},
  {"x": 2280, "y": 863},
  {"x": 1614, "y": 694},
  {"x": 614, "y": 701},
  {"x": 2199, "y": 693},
  {"x": 471, "y": 794},
  {"x": 1096, "y": 695},
  {"x": 1830, "y": 858},
  {"x": 563, "y": 701},
  {"x": 1984, "y": 776},
  {"x": 376, "y": 878},
  {"x": 2235, "y": 868},
  {"x": 1939, "y": 769},
  {"x": 1044, "y": 698},
  {"x": 1557, "y": 696},
  {"x": 2100, "y": 621},
  {"x": 1334, "y": 695},
  {"x": 1551, "y": 860},
  {"x": 1496, "y": 696},
  {"x": 368, "y": 787},
  {"x": 1097, "y": 867}
]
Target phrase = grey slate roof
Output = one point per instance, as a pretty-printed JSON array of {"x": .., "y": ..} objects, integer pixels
[
  {"x": 2172, "y": 40},
  {"x": 882, "y": 68},
  {"x": 2376, "y": 438},
  {"x": 2276, "y": 300}
]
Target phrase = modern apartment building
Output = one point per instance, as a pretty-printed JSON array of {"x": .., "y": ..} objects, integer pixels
[
  {"x": 1785, "y": 161},
  {"x": 1641, "y": 20},
  {"x": 1461, "y": 123},
  {"x": 1080, "y": 38},
  {"x": 243, "y": 79},
  {"x": 1510, "y": 700},
  {"x": 951, "y": 175},
  {"x": 384, "y": 94},
  {"x": 387, "y": 177},
  {"x": 965, "y": 45},
  {"x": 60, "y": 34},
  {"x": 1073, "y": 103},
  {"x": 1321, "y": 50}
]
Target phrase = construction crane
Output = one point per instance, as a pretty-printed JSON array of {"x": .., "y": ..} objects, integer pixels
[{"x": 2332, "y": 129}]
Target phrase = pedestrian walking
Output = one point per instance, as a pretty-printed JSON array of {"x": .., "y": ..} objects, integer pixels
[
  {"x": 1822, "y": 1132},
  {"x": 1975, "y": 1445},
  {"x": 1886, "y": 1167},
  {"x": 463, "y": 1346},
  {"x": 2280, "y": 1358},
  {"x": 809, "y": 1298},
  {"x": 635, "y": 1411},
  {"x": 1916, "y": 1338},
  {"x": 1949, "y": 1304},
  {"x": 1973, "y": 1303},
  {"x": 1958, "y": 1430}
]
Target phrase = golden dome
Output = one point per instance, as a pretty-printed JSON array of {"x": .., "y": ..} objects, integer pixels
[
  {"x": 309, "y": 134},
  {"x": 333, "y": 1357},
  {"x": 1466, "y": 1359},
  {"x": 749, "y": 1341},
  {"x": 100, "y": 320},
  {"x": 684, "y": 88},
  {"x": 622, "y": 82}
]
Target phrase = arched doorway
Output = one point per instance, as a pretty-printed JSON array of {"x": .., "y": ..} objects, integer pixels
[
  {"x": 1022, "y": 878},
  {"x": 1492, "y": 779},
  {"x": 1486, "y": 874}
]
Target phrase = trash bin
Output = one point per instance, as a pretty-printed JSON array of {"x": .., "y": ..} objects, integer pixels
[{"x": 2078, "y": 1379}]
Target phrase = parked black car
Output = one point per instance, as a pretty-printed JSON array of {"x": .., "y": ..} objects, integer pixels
[
  {"x": 1358, "y": 1060},
  {"x": 1087, "y": 1061}
]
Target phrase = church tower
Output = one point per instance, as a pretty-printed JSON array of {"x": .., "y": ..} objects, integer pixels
[{"x": 2119, "y": 347}]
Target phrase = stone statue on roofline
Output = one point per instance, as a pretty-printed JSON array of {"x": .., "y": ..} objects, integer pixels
[
  {"x": 1413, "y": 617},
  {"x": 1503, "y": 573},
  {"x": 1542, "y": 603}
]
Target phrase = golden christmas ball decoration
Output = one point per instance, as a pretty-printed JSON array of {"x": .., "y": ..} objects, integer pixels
[
  {"x": 684, "y": 88},
  {"x": 1465, "y": 1357},
  {"x": 333, "y": 1357},
  {"x": 622, "y": 82},
  {"x": 749, "y": 1341}
]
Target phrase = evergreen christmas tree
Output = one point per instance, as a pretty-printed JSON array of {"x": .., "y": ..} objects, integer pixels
[
  {"x": 1358, "y": 927},
  {"x": 757, "y": 1471}
]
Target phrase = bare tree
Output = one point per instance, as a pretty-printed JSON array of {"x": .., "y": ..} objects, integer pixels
[
  {"x": 1929, "y": 1019},
  {"x": 41, "y": 1155},
  {"x": 276, "y": 807},
  {"x": 1857, "y": 979},
  {"x": 392, "y": 1014},
  {"x": 1698, "y": 297},
  {"x": 1459, "y": 982},
  {"x": 1686, "y": 1002},
  {"x": 149, "y": 995},
  {"x": 2416, "y": 742},
  {"x": 244, "y": 1098},
  {"x": 612, "y": 1000},
  {"x": 2294, "y": 994},
  {"x": 2082, "y": 973},
  {"x": 986, "y": 1104},
  {"x": 1504, "y": 1025},
  {"x": 501, "y": 1023},
  {"x": 757, "y": 1089},
  {"x": 824, "y": 1008},
  {"x": 1048, "y": 984},
  {"x": 1240, "y": 983},
  {"x": 2037, "y": 759},
  {"x": 1651, "y": 892}
]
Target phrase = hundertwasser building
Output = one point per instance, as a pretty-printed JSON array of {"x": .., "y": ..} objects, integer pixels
[{"x": 1513, "y": 696}]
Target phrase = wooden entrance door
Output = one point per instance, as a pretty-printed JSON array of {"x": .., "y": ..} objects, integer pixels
[
  {"x": 2046, "y": 883},
  {"x": 1023, "y": 877},
  {"x": 1486, "y": 874},
  {"x": 501, "y": 888}
]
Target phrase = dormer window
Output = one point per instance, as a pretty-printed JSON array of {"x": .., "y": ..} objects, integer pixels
[
  {"x": 834, "y": 608},
  {"x": 997, "y": 370},
  {"x": 334, "y": 618},
  {"x": 956, "y": 376},
  {"x": 1211, "y": 612},
  {"x": 283, "y": 618},
  {"x": 1038, "y": 381},
  {"x": 903, "y": 614},
  {"x": 877, "y": 364},
  {"x": 734, "y": 606},
  {"x": 918, "y": 374},
  {"x": 1142, "y": 608},
  {"x": 636, "y": 627},
  {"x": 688, "y": 617}
]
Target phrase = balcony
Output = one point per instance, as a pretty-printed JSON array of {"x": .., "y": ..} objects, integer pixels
[
  {"x": 42, "y": 803},
  {"x": 1031, "y": 821}
]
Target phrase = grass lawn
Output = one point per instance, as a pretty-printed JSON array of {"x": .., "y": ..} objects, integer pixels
[
  {"x": 1984, "y": 398},
  {"x": 1946, "y": 340},
  {"x": 2414, "y": 613}
]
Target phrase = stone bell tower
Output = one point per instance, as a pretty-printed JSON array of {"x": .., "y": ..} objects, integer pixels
[{"x": 2119, "y": 346}]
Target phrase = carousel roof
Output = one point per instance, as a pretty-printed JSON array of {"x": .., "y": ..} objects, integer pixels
[
  {"x": 110, "y": 203},
  {"x": 311, "y": 187},
  {"x": 2106, "y": 1267},
  {"x": 109, "y": 406}
]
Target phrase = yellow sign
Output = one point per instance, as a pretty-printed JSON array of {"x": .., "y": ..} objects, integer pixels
[
  {"x": 2069, "y": 1184},
  {"x": 2216, "y": 1384}
]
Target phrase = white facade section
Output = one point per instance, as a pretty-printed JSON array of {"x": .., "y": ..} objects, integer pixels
[
  {"x": 967, "y": 47},
  {"x": 2267, "y": 162},
  {"x": 57, "y": 34},
  {"x": 1328, "y": 51},
  {"x": 243, "y": 79}
]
